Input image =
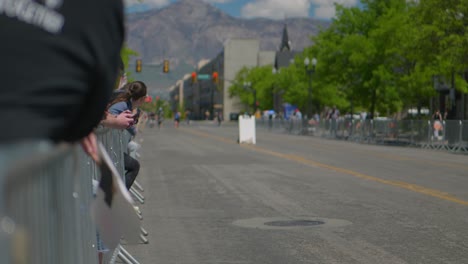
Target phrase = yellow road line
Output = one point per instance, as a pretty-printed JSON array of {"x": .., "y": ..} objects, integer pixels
[
  {"x": 302, "y": 160},
  {"x": 395, "y": 157}
]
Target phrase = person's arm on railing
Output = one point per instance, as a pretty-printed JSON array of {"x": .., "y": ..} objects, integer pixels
[
  {"x": 121, "y": 121},
  {"x": 90, "y": 147}
]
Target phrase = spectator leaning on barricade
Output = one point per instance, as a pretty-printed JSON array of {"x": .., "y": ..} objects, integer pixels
[
  {"x": 121, "y": 121},
  {"x": 124, "y": 119},
  {"x": 58, "y": 70},
  {"x": 333, "y": 115},
  {"x": 437, "y": 124},
  {"x": 129, "y": 99}
]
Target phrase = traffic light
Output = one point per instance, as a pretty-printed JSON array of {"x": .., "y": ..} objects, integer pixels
[
  {"x": 138, "y": 66},
  {"x": 215, "y": 77},
  {"x": 166, "y": 66},
  {"x": 194, "y": 77}
]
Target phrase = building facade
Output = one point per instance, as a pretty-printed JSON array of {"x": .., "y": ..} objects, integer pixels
[{"x": 205, "y": 96}]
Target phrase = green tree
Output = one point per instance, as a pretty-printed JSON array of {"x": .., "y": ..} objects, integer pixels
[
  {"x": 443, "y": 33},
  {"x": 356, "y": 56},
  {"x": 237, "y": 88},
  {"x": 380, "y": 57},
  {"x": 260, "y": 88},
  {"x": 127, "y": 54}
]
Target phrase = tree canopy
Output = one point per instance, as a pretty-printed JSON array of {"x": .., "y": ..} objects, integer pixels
[{"x": 380, "y": 57}]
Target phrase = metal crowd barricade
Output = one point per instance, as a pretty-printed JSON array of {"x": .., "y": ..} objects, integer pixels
[
  {"x": 47, "y": 190},
  {"x": 125, "y": 138},
  {"x": 45, "y": 196},
  {"x": 112, "y": 140},
  {"x": 116, "y": 143},
  {"x": 463, "y": 142},
  {"x": 294, "y": 126},
  {"x": 449, "y": 135},
  {"x": 458, "y": 136}
]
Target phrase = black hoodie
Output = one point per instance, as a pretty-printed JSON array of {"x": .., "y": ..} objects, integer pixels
[{"x": 59, "y": 63}]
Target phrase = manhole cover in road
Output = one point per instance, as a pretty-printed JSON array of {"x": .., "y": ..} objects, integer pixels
[
  {"x": 289, "y": 223},
  {"x": 295, "y": 223}
]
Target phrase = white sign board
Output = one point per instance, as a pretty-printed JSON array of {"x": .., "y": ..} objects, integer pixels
[{"x": 247, "y": 130}]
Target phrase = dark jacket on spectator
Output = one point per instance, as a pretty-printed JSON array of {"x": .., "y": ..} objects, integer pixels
[{"x": 58, "y": 72}]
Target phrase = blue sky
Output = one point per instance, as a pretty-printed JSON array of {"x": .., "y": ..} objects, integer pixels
[{"x": 274, "y": 9}]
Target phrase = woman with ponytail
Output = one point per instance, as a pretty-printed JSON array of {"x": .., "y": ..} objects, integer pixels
[{"x": 129, "y": 99}]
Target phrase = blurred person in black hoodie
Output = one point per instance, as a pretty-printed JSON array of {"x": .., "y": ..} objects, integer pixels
[
  {"x": 58, "y": 66},
  {"x": 60, "y": 60}
]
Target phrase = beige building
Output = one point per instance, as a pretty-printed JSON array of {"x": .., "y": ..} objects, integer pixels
[
  {"x": 204, "y": 95},
  {"x": 238, "y": 53}
]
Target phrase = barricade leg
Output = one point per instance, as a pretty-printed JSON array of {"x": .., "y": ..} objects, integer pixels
[
  {"x": 137, "y": 195},
  {"x": 136, "y": 184},
  {"x": 124, "y": 253},
  {"x": 143, "y": 239},
  {"x": 143, "y": 231},
  {"x": 110, "y": 258},
  {"x": 124, "y": 259}
]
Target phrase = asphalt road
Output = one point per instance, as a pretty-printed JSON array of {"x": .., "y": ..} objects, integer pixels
[{"x": 293, "y": 199}]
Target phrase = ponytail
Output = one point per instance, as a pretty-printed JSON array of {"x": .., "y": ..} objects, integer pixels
[{"x": 134, "y": 90}]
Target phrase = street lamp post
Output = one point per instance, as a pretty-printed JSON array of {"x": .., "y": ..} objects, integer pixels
[{"x": 310, "y": 71}]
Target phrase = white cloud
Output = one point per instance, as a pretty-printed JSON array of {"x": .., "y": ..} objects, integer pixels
[
  {"x": 330, "y": 2},
  {"x": 152, "y": 3},
  {"x": 163, "y": 3},
  {"x": 279, "y": 9},
  {"x": 324, "y": 12},
  {"x": 276, "y": 9},
  {"x": 217, "y": 1},
  {"x": 326, "y": 8}
]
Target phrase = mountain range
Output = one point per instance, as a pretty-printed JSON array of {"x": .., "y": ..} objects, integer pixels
[{"x": 190, "y": 30}]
